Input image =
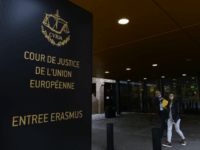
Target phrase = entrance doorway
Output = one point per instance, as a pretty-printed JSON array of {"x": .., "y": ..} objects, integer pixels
[{"x": 110, "y": 95}]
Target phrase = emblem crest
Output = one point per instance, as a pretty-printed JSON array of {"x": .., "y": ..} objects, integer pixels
[{"x": 58, "y": 28}]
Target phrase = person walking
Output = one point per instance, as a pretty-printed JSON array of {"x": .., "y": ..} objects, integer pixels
[
  {"x": 161, "y": 112},
  {"x": 173, "y": 109}
]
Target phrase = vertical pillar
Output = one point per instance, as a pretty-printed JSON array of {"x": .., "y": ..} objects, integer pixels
[
  {"x": 198, "y": 85},
  {"x": 144, "y": 97},
  {"x": 100, "y": 94},
  {"x": 98, "y": 71},
  {"x": 141, "y": 101},
  {"x": 179, "y": 91},
  {"x": 162, "y": 87},
  {"x": 118, "y": 100},
  {"x": 114, "y": 94},
  {"x": 129, "y": 98},
  {"x": 197, "y": 82},
  {"x": 98, "y": 87},
  {"x": 158, "y": 84}
]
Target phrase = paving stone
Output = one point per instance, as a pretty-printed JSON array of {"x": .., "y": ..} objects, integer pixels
[{"x": 133, "y": 130}]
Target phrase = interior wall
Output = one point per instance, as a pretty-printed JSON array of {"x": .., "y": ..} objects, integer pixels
[
  {"x": 94, "y": 105},
  {"x": 98, "y": 101}
]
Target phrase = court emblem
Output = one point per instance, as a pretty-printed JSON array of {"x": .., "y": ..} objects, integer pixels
[{"x": 58, "y": 29}]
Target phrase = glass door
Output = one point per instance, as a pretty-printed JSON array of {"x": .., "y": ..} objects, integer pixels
[
  {"x": 135, "y": 97},
  {"x": 124, "y": 97}
]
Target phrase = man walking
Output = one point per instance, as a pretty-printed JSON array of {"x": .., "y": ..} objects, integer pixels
[{"x": 161, "y": 112}]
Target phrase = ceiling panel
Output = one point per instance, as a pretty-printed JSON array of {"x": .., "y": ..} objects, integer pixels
[
  {"x": 175, "y": 41},
  {"x": 151, "y": 36},
  {"x": 142, "y": 25},
  {"x": 170, "y": 69},
  {"x": 163, "y": 49},
  {"x": 184, "y": 12},
  {"x": 194, "y": 33}
]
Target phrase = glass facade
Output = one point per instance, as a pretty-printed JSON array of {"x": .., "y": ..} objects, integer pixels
[
  {"x": 131, "y": 96},
  {"x": 135, "y": 96},
  {"x": 151, "y": 88},
  {"x": 124, "y": 97},
  {"x": 169, "y": 86},
  {"x": 189, "y": 91}
]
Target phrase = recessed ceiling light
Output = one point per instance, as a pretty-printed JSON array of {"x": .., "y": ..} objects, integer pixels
[
  {"x": 183, "y": 74},
  {"x": 123, "y": 21},
  {"x": 107, "y": 72},
  {"x": 145, "y": 78},
  {"x": 154, "y": 64},
  {"x": 162, "y": 76},
  {"x": 128, "y": 68},
  {"x": 188, "y": 60}
]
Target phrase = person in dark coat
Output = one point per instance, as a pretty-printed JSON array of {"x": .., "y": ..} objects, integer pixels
[
  {"x": 150, "y": 101},
  {"x": 173, "y": 118},
  {"x": 161, "y": 112}
]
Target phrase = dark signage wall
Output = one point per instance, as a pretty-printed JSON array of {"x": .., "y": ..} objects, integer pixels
[{"x": 45, "y": 75}]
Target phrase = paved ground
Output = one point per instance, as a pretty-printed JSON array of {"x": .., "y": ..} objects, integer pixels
[{"x": 133, "y": 132}]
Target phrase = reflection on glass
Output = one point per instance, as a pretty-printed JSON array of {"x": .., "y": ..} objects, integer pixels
[
  {"x": 124, "y": 97},
  {"x": 135, "y": 97}
]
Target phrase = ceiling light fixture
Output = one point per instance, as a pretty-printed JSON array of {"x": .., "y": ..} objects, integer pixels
[
  {"x": 154, "y": 65},
  {"x": 128, "y": 80},
  {"x": 107, "y": 72},
  {"x": 145, "y": 78},
  {"x": 128, "y": 68},
  {"x": 162, "y": 76},
  {"x": 183, "y": 74},
  {"x": 123, "y": 21}
]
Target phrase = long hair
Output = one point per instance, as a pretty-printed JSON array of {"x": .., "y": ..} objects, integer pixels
[{"x": 174, "y": 99}]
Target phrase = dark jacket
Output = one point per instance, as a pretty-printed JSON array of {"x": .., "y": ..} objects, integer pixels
[
  {"x": 157, "y": 104},
  {"x": 175, "y": 111}
]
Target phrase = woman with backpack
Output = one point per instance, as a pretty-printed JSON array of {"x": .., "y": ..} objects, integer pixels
[{"x": 174, "y": 118}]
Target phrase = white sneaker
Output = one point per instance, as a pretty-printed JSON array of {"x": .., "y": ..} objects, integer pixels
[
  {"x": 169, "y": 144},
  {"x": 183, "y": 142}
]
